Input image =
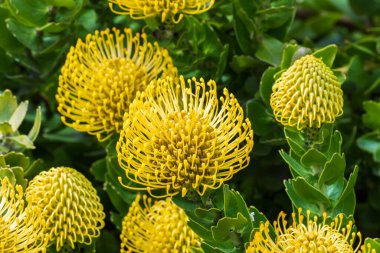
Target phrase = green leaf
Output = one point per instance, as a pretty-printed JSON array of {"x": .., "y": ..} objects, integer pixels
[
  {"x": 33, "y": 133},
  {"x": 226, "y": 226},
  {"x": 261, "y": 121},
  {"x": 296, "y": 168},
  {"x": 295, "y": 141},
  {"x": 25, "y": 35},
  {"x": 18, "y": 115},
  {"x": 99, "y": 170},
  {"x": 371, "y": 118},
  {"x": 107, "y": 242},
  {"x": 209, "y": 249},
  {"x": 22, "y": 141},
  {"x": 257, "y": 218},
  {"x": 222, "y": 63},
  {"x": 8, "y": 104},
  {"x": 374, "y": 244},
  {"x": 327, "y": 54},
  {"x": 347, "y": 201},
  {"x": 270, "y": 51},
  {"x": 7, "y": 41},
  {"x": 333, "y": 170},
  {"x": 275, "y": 17},
  {"x": 117, "y": 219},
  {"x": 370, "y": 142},
  {"x": 244, "y": 28},
  {"x": 287, "y": 55},
  {"x": 8, "y": 173},
  {"x": 203, "y": 231},
  {"x": 16, "y": 159},
  {"x": 314, "y": 159},
  {"x": 266, "y": 84},
  {"x": 305, "y": 196},
  {"x": 29, "y": 13},
  {"x": 196, "y": 250},
  {"x": 241, "y": 63},
  {"x": 61, "y": 3},
  {"x": 114, "y": 172},
  {"x": 115, "y": 196}
]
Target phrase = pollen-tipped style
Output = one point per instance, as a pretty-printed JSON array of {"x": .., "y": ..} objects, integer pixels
[
  {"x": 69, "y": 205},
  {"x": 101, "y": 76},
  {"x": 306, "y": 235},
  {"x": 168, "y": 9},
  {"x": 21, "y": 227},
  {"x": 179, "y": 137},
  {"x": 158, "y": 226},
  {"x": 307, "y": 95}
]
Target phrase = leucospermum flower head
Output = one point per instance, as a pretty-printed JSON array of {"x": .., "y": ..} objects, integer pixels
[
  {"x": 20, "y": 225},
  {"x": 174, "y": 9},
  {"x": 307, "y": 95},
  {"x": 179, "y": 137},
  {"x": 156, "y": 227},
  {"x": 307, "y": 235},
  {"x": 69, "y": 205},
  {"x": 101, "y": 76}
]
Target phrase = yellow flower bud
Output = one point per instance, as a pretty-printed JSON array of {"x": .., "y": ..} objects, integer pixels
[
  {"x": 69, "y": 205},
  {"x": 307, "y": 95},
  {"x": 156, "y": 227}
]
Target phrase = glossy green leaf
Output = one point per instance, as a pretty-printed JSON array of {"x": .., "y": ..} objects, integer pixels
[
  {"x": 226, "y": 226},
  {"x": 266, "y": 84},
  {"x": 34, "y": 131},
  {"x": 305, "y": 196},
  {"x": 295, "y": 141},
  {"x": 371, "y": 118},
  {"x": 24, "y": 34},
  {"x": 314, "y": 160},
  {"x": 261, "y": 121},
  {"x": 22, "y": 141},
  {"x": 7, "y": 41},
  {"x": 287, "y": 55},
  {"x": 29, "y": 13},
  {"x": 8, "y": 104},
  {"x": 244, "y": 28},
  {"x": 374, "y": 244},
  {"x": 347, "y": 201},
  {"x": 16, "y": 159},
  {"x": 327, "y": 54},
  {"x": 222, "y": 63},
  {"x": 270, "y": 51},
  {"x": 241, "y": 63},
  {"x": 99, "y": 170},
  {"x": 333, "y": 170},
  {"x": 61, "y": 3},
  {"x": 296, "y": 168},
  {"x": 18, "y": 115},
  {"x": 370, "y": 142}
]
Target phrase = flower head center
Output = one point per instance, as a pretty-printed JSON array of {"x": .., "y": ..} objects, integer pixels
[
  {"x": 189, "y": 142},
  {"x": 118, "y": 82}
]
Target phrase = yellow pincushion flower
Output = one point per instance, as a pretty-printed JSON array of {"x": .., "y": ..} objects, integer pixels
[
  {"x": 20, "y": 225},
  {"x": 174, "y": 9},
  {"x": 156, "y": 227},
  {"x": 69, "y": 204},
  {"x": 307, "y": 95},
  {"x": 308, "y": 236},
  {"x": 179, "y": 137},
  {"x": 101, "y": 77}
]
